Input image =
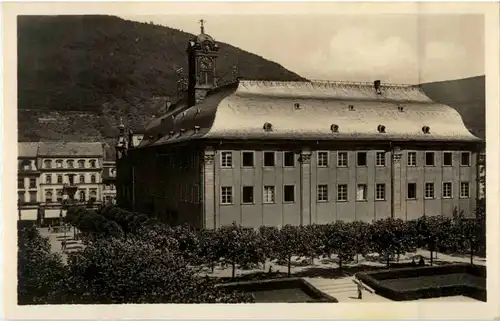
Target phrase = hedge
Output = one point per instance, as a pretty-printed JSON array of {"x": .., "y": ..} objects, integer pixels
[{"x": 375, "y": 281}]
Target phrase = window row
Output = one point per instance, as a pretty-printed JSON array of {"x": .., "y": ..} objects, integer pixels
[
  {"x": 49, "y": 195},
  {"x": 446, "y": 191},
  {"x": 322, "y": 194},
  {"x": 71, "y": 180},
  {"x": 289, "y": 159},
  {"x": 21, "y": 183},
  {"x": 69, "y": 163},
  {"x": 21, "y": 196}
]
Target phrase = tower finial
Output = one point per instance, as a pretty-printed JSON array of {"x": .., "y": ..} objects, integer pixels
[
  {"x": 121, "y": 126},
  {"x": 202, "y": 26}
]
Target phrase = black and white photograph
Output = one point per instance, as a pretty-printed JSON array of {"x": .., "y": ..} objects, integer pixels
[{"x": 202, "y": 157}]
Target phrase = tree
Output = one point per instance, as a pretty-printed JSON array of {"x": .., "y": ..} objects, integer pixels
[
  {"x": 383, "y": 238},
  {"x": 268, "y": 238},
  {"x": 209, "y": 248},
  {"x": 434, "y": 230},
  {"x": 240, "y": 246},
  {"x": 361, "y": 232},
  {"x": 343, "y": 242},
  {"x": 288, "y": 242},
  {"x": 133, "y": 270},
  {"x": 39, "y": 271},
  {"x": 310, "y": 241}
]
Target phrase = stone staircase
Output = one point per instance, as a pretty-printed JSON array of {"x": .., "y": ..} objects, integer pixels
[{"x": 343, "y": 289}]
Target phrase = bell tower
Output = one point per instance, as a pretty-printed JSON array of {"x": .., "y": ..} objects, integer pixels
[{"x": 202, "y": 61}]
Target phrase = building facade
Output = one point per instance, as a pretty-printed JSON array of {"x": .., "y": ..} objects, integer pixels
[
  {"x": 63, "y": 171},
  {"x": 109, "y": 182},
  {"x": 275, "y": 153}
]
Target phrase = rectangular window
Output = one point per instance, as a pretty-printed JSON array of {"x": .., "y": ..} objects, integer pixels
[
  {"x": 464, "y": 189},
  {"x": 20, "y": 197},
  {"x": 322, "y": 193},
  {"x": 59, "y": 194},
  {"x": 248, "y": 194},
  {"x": 361, "y": 158},
  {"x": 465, "y": 159},
  {"x": 268, "y": 158},
  {"x": 412, "y": 159},
  {"x": 268, "y": 194},
  {"x": 289, "y": 193},
  {"x": 342, "y": 192},
  {"x": 447, "y": 159},
  {"x": 380, "y": 192},
  {"x": 32, "y": 183},
  {"x": 412, "y": 191},
  {"x": 48, "y": 179},
  {"x": 429, "y": 159},
  {"x": 81, "y": 164},
  {"x": 289, "y": 159},
  {"x": 342, "y": 159},
  {"x": 47, "y": 163},
  {"x": 226, "y": 159},
  {"x": 429, "y": 190},
  {"x": 59, "y": 179},
  {"x": 247, "y": 159},
  {"x": 361, "y": 192},
  {"x": 20, "y": 183},
  {"x": 380, "y": 158},
  {"x": 322, "y": 159},
  {"x": 447, "y": 190},
  {"x": 32, "y": 196},
  {"x": 226, "y": 195}
]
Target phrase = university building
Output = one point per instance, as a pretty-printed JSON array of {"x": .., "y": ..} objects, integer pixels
[
  {"x": 51, "y": 172},
  {"x": 275, "y": 153}
]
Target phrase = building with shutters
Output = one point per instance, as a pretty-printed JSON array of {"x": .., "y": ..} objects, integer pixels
[
  {"x": 275, "y": 153},
  {"x": 51, "y": 172}
]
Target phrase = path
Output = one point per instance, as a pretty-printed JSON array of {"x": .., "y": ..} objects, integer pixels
[{"x": 55, "y": 240}]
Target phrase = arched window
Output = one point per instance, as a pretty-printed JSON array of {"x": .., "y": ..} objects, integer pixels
[
  {"x": 93, "y": 195},
  {"x": 82, "y": 195},
  {"x": 92, "y": 163},
  {"x": 81, "y": 163},
  {"x": 71, "y": 164},
  {"x": 59, "y": 163},
  {"x": 82, "y": 179},
  {"x": 47, "y": 163},
  {"x": 92, "y": 179}
]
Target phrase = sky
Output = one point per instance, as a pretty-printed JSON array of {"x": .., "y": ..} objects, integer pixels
[{"x": 395, "y": 48}]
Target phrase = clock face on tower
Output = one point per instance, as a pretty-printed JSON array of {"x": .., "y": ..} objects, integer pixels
[{"x": 206, "y": 64}]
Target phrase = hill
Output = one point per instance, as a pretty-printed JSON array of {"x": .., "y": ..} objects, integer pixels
[
  {"x": 77, "y": 75},
  {"x": 467, "y": 96}
]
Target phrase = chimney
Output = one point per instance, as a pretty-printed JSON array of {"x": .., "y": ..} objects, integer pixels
[{"x": 376, "y": 85}]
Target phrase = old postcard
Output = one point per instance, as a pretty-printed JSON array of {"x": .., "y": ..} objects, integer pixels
[{"x": 202, "y": 159}]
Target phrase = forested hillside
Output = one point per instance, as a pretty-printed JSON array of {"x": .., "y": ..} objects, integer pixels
[{"x": 77, "y": 75}]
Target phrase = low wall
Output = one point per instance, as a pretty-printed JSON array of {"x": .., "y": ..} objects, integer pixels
[{"x": 375, "y": 281}]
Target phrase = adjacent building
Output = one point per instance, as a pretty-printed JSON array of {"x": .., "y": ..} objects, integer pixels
[
  {"x": 109, "y": 182},
  {"x": 52, "y": 172},
  {"x": 275, "y": 153}
]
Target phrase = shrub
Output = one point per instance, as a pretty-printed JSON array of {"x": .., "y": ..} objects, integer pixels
[{"x": 39, "y": 271}]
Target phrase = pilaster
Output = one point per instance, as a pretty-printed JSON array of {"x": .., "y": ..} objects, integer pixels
[
  {"x": 208, "y": 176},
  {"x": 305, "y": 187},
  {"x": 396, "y": 194}
]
